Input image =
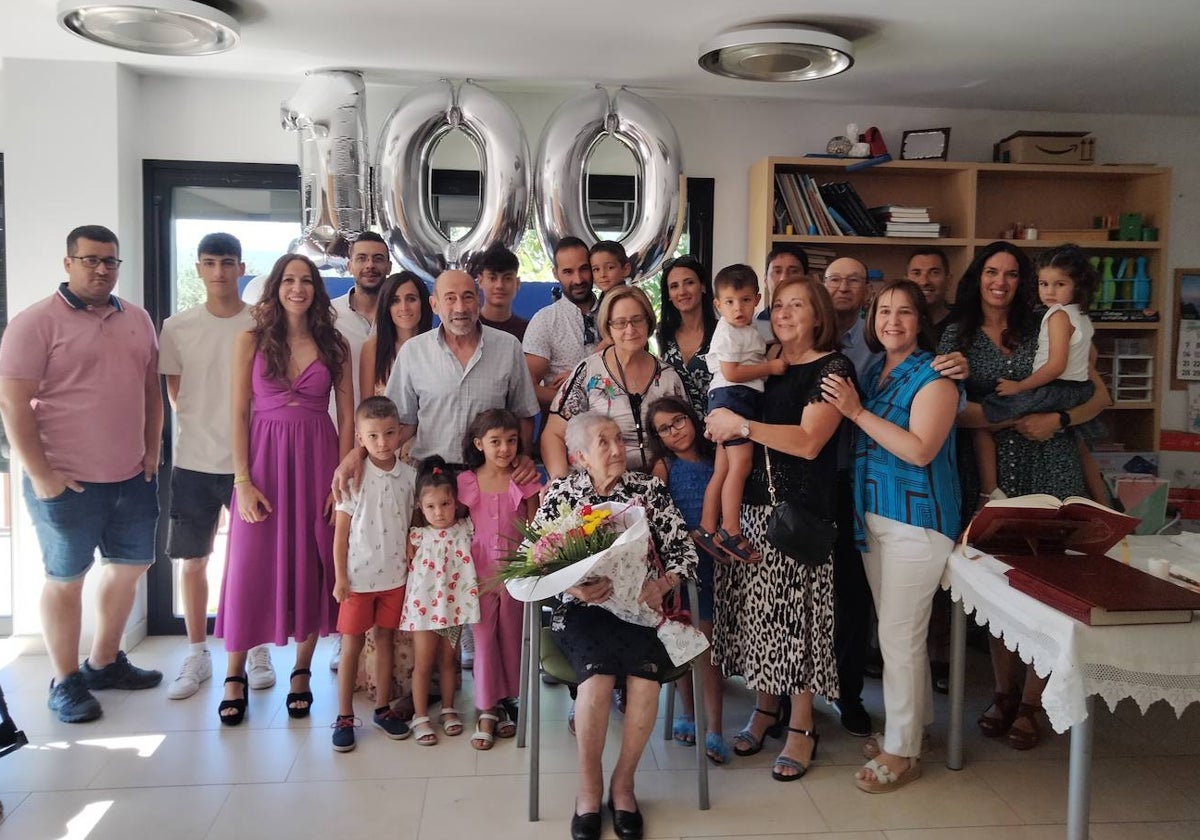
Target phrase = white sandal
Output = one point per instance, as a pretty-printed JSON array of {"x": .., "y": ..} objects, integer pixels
[
  {"x": 487, "y": 738},
  {"x": 454, "y": 726},
  {"x": 872, "y": 746},
  {"x": 422, "y": 731}
]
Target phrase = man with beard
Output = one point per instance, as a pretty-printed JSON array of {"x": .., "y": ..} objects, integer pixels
[
  {"x": 370, "y": 263},
  {"x": 562, "y": 334}
]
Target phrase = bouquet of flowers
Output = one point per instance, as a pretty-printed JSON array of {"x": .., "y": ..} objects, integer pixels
[
  {"x": 606, "y": 540},
  {"x": 549, "y": 546}
]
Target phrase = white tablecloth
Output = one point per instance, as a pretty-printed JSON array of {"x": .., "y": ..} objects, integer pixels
[{"x": 1147, "y": 662}]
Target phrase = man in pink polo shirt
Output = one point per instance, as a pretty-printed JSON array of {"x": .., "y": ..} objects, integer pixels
[{"x": 81, "y": 403}]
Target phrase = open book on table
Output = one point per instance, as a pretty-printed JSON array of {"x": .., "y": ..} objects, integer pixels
[{"x": 1041, "y": 524}]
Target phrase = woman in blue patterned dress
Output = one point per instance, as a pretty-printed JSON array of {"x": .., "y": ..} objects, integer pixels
[
  {"x": 996, "y": 328},
  {"x": 907, "y": 512},
  {"x": 686, "y": 326}
]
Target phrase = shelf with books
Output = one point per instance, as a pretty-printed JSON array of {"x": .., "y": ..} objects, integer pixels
[{"x": 976, "y": 202}]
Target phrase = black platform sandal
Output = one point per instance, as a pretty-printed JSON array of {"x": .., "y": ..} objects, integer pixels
[
  {"x": 305, "y": 697},
  {"x": 238, "y": 706}
]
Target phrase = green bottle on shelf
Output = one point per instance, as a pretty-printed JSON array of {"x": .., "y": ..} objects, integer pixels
[
  {"x": 1141, "y": 285},
  {"x": 1108, "y": 285}
]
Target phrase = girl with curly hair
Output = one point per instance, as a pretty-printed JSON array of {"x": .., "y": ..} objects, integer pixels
[{"x": 279, "y": 572}]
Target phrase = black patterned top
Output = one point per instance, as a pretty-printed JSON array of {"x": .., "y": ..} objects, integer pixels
[
  {"x": 667, "y": 527},
  {"x": 1023, "y": 466},
  {"x": 784, "y": 400},
  {"x": 695, "y": 373}
]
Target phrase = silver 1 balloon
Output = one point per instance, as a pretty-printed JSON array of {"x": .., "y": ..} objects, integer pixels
[
  {"x": 328, "y": 113},
  {"x": 569, "y": 138},
  {"x": 403, "y": 172}
]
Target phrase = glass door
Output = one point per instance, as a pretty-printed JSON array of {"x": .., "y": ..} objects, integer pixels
[{"x": 260, "y": 205}]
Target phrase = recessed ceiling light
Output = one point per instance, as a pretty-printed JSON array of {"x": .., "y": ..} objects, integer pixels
[
  {"x": 776, "y": 53},
  {"x": 157, "y": 27}
]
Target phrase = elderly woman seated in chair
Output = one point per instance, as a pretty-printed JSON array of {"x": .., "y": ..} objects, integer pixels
[{"x": 601, "y": 647}]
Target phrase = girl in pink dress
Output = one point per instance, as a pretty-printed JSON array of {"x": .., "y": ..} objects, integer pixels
[
  {"x": 490, "y": 449},
  {"x": 442, "y": 596},
  {"x": 279, "y": 571}
]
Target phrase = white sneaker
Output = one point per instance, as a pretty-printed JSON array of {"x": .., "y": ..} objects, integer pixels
[
  {"x": 196, "y": 669},
  {"x": 336, "y": 659},
  {"x": 262, "y": 672}
]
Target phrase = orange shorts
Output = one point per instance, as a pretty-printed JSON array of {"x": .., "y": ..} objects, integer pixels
[{"x": 364, "y": 610}]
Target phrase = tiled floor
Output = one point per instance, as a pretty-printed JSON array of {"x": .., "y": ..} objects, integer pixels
[{"x": 157, "y": 768}]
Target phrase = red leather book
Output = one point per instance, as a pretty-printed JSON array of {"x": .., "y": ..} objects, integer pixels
[
  {"x": 1098, "y": 590},
  {"x": 1041, "y": 524}
]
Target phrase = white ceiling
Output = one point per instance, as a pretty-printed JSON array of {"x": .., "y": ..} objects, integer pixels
[{"x": 1093, "y": 56}]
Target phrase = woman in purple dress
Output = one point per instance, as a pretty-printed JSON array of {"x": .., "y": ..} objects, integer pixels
[{"x": 279, "y": 572}]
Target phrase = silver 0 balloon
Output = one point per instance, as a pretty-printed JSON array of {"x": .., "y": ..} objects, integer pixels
[
  {"x": 560, "y": 188},
  {"x": 327, "y": 111},
  {"x": 403, "y": 175}
]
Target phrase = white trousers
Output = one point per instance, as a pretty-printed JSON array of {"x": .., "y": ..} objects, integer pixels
[{"x": 904, "y": 564}]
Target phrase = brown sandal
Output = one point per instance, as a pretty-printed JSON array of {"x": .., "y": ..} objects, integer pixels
[
  {"x": 1025, "y": 739},
  {"x": 737, "y": 547},
  {"x": 1006, "y": 703}
]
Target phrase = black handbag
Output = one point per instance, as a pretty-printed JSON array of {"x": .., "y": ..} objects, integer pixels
[{"x": 797, "y": 532}]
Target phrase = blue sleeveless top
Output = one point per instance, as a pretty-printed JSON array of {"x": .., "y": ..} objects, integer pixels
[
  {"x": 686, "y": 482},
  {"x": 929, "y": 496}
]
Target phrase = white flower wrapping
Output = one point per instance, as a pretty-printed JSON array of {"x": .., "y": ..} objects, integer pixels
[{"x": 624, "y": 563}]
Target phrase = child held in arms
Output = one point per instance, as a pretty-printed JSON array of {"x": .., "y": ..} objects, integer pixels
[{"x": 737, "y": 360}]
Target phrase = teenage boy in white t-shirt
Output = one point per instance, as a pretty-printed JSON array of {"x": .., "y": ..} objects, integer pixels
[
  {"x": 370, "y": 561},
  {"x": 196, "y": 357}
]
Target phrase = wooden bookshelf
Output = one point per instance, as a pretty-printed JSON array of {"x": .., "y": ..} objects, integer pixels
[{"x": 976, "y": 202}]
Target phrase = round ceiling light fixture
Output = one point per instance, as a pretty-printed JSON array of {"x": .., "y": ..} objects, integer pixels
[
  {"x": 777, "y": 52},
  {"x": 156, "y": 27}
]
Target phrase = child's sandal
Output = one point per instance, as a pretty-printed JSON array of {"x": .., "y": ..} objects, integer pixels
[
  {"x": 483, "y": 740},
  {"x": 507, "y": 727},
  {"x": 707, "y": 543},
  {"x": 737, "y": 547},
  {"x": 422, "y": 731},
  {"x": 451, "y": 722}
]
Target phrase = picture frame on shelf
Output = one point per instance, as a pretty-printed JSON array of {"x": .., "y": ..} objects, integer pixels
[{"x": 925, "y": 144}]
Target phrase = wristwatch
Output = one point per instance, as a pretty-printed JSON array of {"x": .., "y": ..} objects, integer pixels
[
  {"x": 745, "y": 430},
  {"x": 1064, "y": 419}
]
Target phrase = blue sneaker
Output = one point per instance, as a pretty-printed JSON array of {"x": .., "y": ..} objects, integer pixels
[
  {"x": 391, "y": 723},
  {"x": 120, "y": 673},
  {"x": 72, "y": 701},
  {"x": 343, "y": 733}
]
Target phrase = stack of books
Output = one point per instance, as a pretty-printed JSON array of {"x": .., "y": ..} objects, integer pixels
[
  {"x": 819, "y": 257},
  {"x": 899, "y": 220}
]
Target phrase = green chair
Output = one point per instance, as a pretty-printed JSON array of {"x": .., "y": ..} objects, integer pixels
[{"x": 537, "y": 646}]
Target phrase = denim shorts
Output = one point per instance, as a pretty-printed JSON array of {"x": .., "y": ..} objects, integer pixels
[
  {"x": 117, "y": 517},
  {"x": 740, "y": 399},
  {"x": 196, "y": 502}
]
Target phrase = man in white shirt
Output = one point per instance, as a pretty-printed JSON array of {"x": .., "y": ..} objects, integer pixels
[
  {"x": 562, "y": 334},
  {"x": 370, "y": 264},
  {"x": 196, "y": 357}
]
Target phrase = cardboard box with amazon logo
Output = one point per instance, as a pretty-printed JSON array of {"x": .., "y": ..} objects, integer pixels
[{"x": 1071, "y": 147}]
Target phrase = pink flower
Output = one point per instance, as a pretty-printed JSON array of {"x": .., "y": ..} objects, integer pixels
[{"x": 546, "y": 548}]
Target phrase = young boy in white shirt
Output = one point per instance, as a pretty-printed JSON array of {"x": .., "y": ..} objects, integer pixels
[
  {"x": 737, "y": 360},
  {"x": 370, "y": 558}
]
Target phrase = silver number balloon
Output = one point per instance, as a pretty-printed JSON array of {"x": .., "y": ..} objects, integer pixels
[
  {"x": 327, "y": 111},
  {"x": 560, "y": 189},
  {"x": 404, "y": 173}
]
